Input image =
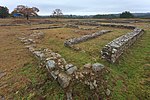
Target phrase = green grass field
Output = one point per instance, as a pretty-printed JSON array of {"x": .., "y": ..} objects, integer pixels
[{"x": 130, "y": 74}]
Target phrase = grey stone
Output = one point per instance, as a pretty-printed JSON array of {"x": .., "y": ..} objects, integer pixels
[
  {"x": 91, "y": 85},
  {"x": 2, "y": 74},
  {"x": 54, "y": 74},
  {"x": 49, "y": 58},
  {"x": 2, "y": 97},
  {"x": 58, "y": 55},
  {"x": 53, "y": 54},
  {"x": 39, "y": 54},
  {"x": 94, "y": 83},
  {"x": 59, "y": 61},
  {"x": 37, "y": 35},
  {"x": 68, "y": 66},
  {"x": 71, "y": 70},
  {"x": 64, "y": 61},
  {"x": 61, "y": 66},
  {"x": 64, "y": 80},
  {"x": 97, "y": 67},
  {"x": 69, "y": 96},
  {"x": 31, "y": 40},
  {"x": 89, "y": 65},
  {"x": 86, "y": 82},
  {"x": 108, "y": 92},
  {"x": 50, "y": 64},
  {"x": 28, "y": 41},
  {"x": 31, "y": 48}
]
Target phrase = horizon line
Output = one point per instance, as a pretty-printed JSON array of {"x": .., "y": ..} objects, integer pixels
[{"x": 92, "y": 14}]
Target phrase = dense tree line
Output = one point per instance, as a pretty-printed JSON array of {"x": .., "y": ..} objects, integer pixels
[
  {"x": 105, "y": 16},
  {"x": 126, "y": 14},
  {"x": 4, "y": 12}
]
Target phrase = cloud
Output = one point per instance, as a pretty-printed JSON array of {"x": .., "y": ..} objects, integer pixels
[{"x": 83, "y": 7}]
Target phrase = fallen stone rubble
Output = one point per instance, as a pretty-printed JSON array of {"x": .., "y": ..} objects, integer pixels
[
  {"x": 32, "y": 38},
  {"x": 66, "y": 74},
  {"x": 113, "y": 50},
  {"x": 70, "y": 42}
]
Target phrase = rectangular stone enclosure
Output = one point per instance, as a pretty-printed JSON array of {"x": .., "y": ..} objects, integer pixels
[{"x": 113, "y": 50}]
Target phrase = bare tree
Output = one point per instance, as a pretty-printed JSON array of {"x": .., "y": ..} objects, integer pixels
[
  {"x": 26, "y": 11},
  {"x": 57, "y": 13}
]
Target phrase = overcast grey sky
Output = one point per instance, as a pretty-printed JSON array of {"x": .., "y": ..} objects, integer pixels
[{"x": 82, "y": 7}]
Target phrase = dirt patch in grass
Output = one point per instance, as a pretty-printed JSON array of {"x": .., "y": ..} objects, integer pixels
[{"x": 13, "y": 56}]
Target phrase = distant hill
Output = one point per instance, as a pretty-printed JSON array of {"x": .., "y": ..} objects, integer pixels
[
  {"x": 137, "y": 15},
  {"x": 142, "y": 15}
]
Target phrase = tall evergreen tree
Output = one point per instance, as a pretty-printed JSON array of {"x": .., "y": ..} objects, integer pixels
[
  {"x": 4, "y": 12},
  {"x": 126, "y": 14}
]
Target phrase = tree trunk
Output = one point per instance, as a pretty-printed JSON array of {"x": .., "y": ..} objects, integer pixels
[
  {"x": 57, "y": 18},
  {"x": 27, "y": 16}
]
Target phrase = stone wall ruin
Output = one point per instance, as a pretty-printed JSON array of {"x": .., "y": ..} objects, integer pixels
[
  {"x": 42, "y": 28},
  {"x": 107, "y": 25},
  {"x": 67, "y": 74},
  {"x": 91, "y": 75},
  {"x": 113, "y": 50},
  {"x": 71, "y": 26},
  {"x": 70, "y": 42}
]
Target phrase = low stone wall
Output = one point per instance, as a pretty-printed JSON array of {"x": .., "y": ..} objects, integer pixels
[
  {"x": 93, "y": 28},
  {"x": 77, "y": 27},
  {"x": 118, "y": 26},
  {"x": 42, "y": 28},
  {"x": 107, "y": 25},
  {"x": 107, "y": 21},
  {"x": 66, "y": 74},
  {"x": 10, "y": 25},
  {"x": 113, "y": 50},
  {"x": 117, "y": 21},
  {"x": 70, "y": 42},
  {"x": 87, "y": 23},
  {"x": 71, "y": 26}
]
